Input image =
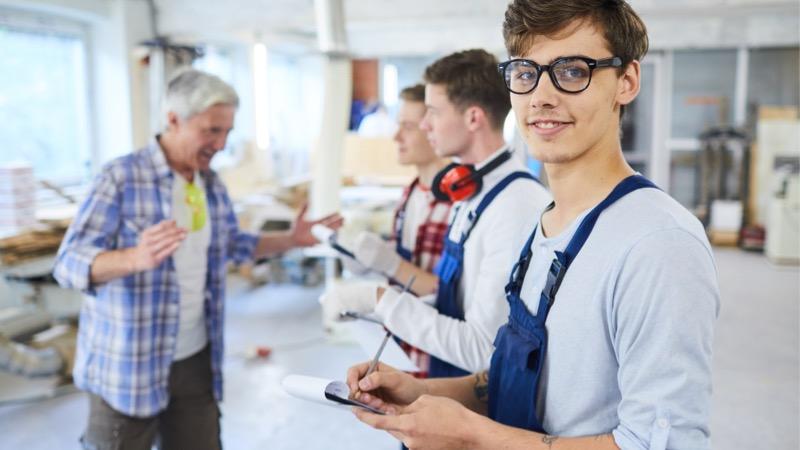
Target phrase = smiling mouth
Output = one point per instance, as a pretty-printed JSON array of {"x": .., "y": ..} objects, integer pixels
[{"x": 547, "y": 124}]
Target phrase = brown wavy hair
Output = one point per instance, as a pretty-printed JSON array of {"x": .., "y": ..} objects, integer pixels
[
  {"x": 470, "y": 78},
  {"x": 415, "y": 93},
  {"x": 622, "y": 28}
]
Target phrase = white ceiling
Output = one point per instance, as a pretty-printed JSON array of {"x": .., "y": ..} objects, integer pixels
[{"x": 386, "y": 27}]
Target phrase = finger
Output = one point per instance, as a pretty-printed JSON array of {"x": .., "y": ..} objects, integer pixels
[
  {"x": 371, "y": 400},
  {"x": 381, "y": 379},
  {"x": 400, "y": 437},
  {"x": 377, "y": 403},
  {"x": 161, "y": 247},
  {"x": 160, "y": 226},
  {"x": 334, "y": 223},
  {"x": 331, "y": 219},
  {"x": 160, "y": 256},
  {"x": 388, "y": 422},
  {"x": 374, "y": 420},
  {"x": 302, "y": 213},
  {"x": 354, "y": 374},
  {"x": 162, "y": 233},
  {"x": 155, "y": 246}
]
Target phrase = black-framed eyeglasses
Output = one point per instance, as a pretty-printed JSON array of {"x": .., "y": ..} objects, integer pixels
[{"x": 570, "y": 74}]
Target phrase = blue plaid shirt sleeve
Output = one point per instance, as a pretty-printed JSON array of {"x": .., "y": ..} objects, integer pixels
[{"x": 91, "y": 233}]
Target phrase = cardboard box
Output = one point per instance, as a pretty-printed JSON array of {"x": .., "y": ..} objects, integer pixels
[
  {"x": 374, "y": 158},
  {"x": 724, "y": 238}
]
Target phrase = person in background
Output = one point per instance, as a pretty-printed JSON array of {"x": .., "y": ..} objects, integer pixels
[
  {"x": 614, "y": 296},
  {"x": 150, "y": 245},
  {"x": 420, "y": 220},
  {"x": 496, "y": 201},
  {"x": 377, "y": 123}
]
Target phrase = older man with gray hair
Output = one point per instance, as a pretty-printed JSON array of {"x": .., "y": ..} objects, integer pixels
[{"x": 150, "y": 246}]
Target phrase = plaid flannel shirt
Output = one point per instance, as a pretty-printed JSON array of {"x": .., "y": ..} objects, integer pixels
[
  {"x": 427, "y": 250},
  {"x": 129, "y": 325}
]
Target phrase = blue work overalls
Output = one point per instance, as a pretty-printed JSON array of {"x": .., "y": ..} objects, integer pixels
[
  {"x": 521, "y": 344},
  {"x": 450, "y": 268},
  {"x": 399, "y": 223}
]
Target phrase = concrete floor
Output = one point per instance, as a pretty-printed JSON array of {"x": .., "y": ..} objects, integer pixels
[{"x": 755, "y": 372}]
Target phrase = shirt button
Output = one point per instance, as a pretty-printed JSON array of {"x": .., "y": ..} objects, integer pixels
[{"x": 662, "y": 423}]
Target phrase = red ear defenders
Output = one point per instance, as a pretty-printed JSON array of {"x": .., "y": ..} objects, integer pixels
[{"x": 458, "y": 182}]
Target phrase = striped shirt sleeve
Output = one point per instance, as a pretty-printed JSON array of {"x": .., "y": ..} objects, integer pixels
[{"x": 92, "y": 232}]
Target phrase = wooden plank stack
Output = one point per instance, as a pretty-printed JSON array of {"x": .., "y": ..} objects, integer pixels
[{"x": 30, "y": 244}]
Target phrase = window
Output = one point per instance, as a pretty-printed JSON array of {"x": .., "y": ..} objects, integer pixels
[
  {"x": 295, "y": 93},
  {"x": 703, "y": 96},
  {"x": 772, "y": 77},
  {"x": 704, "y": 82},
  {"x": 44, "y": 96}
]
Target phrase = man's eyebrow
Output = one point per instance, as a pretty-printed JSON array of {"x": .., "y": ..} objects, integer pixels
[{"x": 573, "y": 55}]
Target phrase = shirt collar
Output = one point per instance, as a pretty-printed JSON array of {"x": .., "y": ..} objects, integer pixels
[
  {"x": 491, "y": 157},
  {"x": 162, "y": 168},
  {"x": 158, "y": 158}
]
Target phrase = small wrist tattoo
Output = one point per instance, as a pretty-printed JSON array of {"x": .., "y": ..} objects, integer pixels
[
  {"x": 481, "y": 388},
  {"x": 549, "y": 440}
]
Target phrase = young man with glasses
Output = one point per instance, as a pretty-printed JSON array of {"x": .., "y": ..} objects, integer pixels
[
  {"x": 150, "y": 245},
  {"x": 614, "y": 296}
]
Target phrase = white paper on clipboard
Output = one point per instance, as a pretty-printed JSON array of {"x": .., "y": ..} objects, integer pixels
[
  {"x": 321, "y": 390},
  {"x": 370, "y": 336}
]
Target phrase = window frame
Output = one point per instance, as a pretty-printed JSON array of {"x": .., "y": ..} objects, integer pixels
[{"x": 50, "y": 23}]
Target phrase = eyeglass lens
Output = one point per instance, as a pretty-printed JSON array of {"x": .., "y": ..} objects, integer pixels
[{"x": 571, "y": 75}]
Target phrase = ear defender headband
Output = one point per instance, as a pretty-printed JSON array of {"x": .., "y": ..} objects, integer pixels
[{"x": 458, "y": 182}]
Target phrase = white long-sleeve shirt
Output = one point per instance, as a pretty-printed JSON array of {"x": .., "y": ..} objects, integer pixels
[{"x": 490, "y": 251}]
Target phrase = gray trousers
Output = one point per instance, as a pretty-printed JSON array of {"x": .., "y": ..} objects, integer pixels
[{"x": 191, "y": 420}]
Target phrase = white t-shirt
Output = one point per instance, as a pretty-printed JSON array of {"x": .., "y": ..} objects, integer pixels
[
  {"x": 489, "y": 253},
  {"x": 416, "y": 212},
  {"x": 191, "y": 265},
  {"x": 631, "y": 327}
]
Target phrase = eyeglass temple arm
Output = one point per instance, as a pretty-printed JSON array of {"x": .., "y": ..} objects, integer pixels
[{"x": 610, "y": 62}]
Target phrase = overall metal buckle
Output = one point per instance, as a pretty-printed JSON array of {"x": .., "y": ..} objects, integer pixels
[{"x": 554, "y": 278}]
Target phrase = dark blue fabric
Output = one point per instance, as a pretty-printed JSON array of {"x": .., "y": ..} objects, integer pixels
[
  {"x": 450, "y": 268},
  {"x": 521, "y": 344},
  {"x": 403, "y": 252},
  {"x": 399, "y": 223}
]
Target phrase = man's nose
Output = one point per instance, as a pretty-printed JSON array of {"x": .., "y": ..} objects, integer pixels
[{"x": 546, "y": 94}]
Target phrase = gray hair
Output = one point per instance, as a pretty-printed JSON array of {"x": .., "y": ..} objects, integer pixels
[{"x": 191, "y": 92}]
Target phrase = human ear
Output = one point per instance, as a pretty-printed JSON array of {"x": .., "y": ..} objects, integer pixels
[
  {"x": 474, "y": 117},
  {"x": 172, "y": 120},
  {"x": 629, "y": 83}
]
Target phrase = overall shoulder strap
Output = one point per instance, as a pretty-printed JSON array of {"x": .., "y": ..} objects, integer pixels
[{"x": 489, "y": 197}]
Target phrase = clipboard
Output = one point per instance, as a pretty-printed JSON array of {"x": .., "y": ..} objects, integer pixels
[{"x": 323, "y": 391}]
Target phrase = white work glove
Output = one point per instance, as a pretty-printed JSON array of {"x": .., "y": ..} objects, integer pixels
[
  {"x": 359, "y": 297},
  {"x": 353, "y": 266},
  {"x": 374, "y": 252}
]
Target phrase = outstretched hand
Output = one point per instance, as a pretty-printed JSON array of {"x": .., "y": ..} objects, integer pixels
[{"x": 301, "y": 231}]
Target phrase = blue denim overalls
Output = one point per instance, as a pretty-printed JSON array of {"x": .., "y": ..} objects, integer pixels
[
  {"x": 450, "y": 268},
  {"x": 521, "y": 344}
]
